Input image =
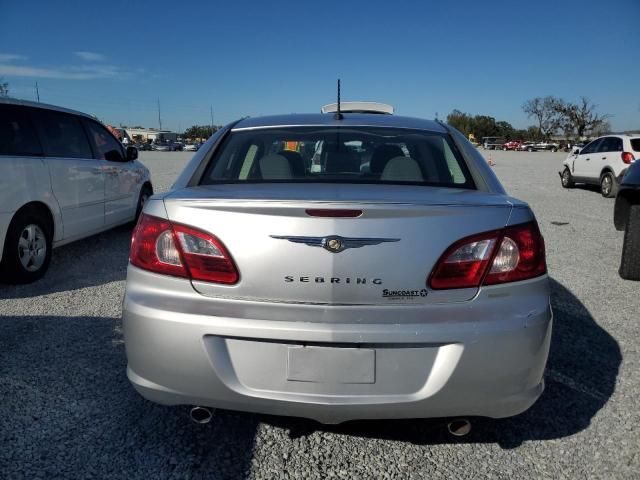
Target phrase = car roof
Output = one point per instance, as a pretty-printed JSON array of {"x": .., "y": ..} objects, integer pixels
[
  {"x": 46, "y": 106},
  {"x": 348, "y": 119}
]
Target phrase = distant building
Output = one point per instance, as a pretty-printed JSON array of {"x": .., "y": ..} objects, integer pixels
[{"x": 147, "y": 135}]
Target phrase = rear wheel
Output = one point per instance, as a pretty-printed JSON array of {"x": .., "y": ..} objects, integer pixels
[
  {"x": 27, "y": 247},
  {"x": 630, "y": 263},
  {"x": 554, "y": 149},
  {"x": 529, "y": 149},
  {"x": 567, "y": 178},
  {"x": 145, "y": 193},
  {"x": 608, "y": 185}
]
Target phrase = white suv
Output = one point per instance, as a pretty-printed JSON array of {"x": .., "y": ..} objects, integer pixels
[
  {"x": 603, "y": 162},
  {"x": 63, "y": 177}
]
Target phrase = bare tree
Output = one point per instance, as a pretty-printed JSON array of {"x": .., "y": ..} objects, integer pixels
[
  {"x": 4, "y": 88},
  {"x": 546, "y": 112},
  {"x": 582, "y": 119}
]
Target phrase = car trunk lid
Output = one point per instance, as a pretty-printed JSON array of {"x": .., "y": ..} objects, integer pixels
[{"x": 382, "y": 256}]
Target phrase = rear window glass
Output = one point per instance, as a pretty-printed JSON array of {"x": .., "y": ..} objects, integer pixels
[
  {"x": 338, "y": 155},
  {"x": 635, "y": 144},
  {"x": 61, "y": 134},
  {"x": 17, "y": 135}
]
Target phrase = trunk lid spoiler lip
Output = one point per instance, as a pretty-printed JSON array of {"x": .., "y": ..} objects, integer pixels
[{"x": 434, "y": 196}]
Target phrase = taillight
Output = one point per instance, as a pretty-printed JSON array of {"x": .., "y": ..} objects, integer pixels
[
  {"x": 159, "y": 246},
  {"x": 627, "y": 157},
  {"x": 508, "y": 255}
]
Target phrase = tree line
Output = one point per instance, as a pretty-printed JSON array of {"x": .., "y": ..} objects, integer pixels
[
  {"x": 200, "y": 131},
  {"x": 552, "y": 115}
]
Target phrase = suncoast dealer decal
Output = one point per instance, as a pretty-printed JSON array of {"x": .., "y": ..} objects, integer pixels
[{"x": 386, "y": 293}]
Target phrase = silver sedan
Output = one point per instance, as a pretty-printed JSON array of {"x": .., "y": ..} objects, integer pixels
[{"x": 338, "y": 267}]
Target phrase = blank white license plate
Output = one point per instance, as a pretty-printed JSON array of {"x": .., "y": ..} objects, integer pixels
[{"x": 331, "y": 365}]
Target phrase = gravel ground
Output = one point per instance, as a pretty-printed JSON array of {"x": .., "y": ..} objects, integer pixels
[{"x": 68, "y": 411}]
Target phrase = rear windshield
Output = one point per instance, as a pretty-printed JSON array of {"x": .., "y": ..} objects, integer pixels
[
  {"x": 635, "y": 144},
  {"x": 338, "y": 155}
]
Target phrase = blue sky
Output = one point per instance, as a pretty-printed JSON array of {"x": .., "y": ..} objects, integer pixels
[{"x": 114, "y": 59}]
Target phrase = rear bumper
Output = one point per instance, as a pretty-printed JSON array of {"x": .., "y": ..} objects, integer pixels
[{"x": 485, "y": 357}]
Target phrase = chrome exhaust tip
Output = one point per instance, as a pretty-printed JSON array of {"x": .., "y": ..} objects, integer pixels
[
  {"x": 459, "y": 427},
  {"x": 201, "y": 415}
]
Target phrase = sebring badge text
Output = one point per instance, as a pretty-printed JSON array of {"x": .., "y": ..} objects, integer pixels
[{"x": 334, "y": 280}]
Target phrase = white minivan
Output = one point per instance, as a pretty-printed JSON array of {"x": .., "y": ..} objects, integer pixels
[
  {"x": 603, "y": 162},
  {"x": 63, "y": 177}
]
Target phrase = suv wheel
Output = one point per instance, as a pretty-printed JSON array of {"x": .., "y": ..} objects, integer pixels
[
  {"x": 608, "y": 185},
  {"x": 529, "y": 149},
  {"x": 630, "y": 264},
  {"x": 554, "y": 149},
  {"x": 567, "y": 178},
  {"x": 27, "y": 248}
]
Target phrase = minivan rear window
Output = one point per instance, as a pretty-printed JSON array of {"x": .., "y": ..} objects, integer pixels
[
  {"x": 635, "y": 144},
  {"x": 17, "y": 135},
  {"x": 338, "y": 155}
]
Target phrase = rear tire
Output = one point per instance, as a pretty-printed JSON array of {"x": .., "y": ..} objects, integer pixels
[
  {"x": 630, "y": 262},
  {"x": 608, "y": 185},
  {"x": 554, "y": 149},
  {"x": 27, "y": 248},
  {"x": 145, "y": 193},
  {"x": 567, "y": 178},
  {"x": 529, "y": 149}
]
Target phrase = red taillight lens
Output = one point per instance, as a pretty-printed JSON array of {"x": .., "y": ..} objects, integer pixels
[
  {"x": 628, "y": 158},
  {"x": 521, "y": 255},
  {"x": 159, "y": 246},
  {"x": 508, "y": 255},
  {"x": 465, "y": 262}
]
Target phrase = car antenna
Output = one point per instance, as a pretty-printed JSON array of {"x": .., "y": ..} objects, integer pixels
[{"x": 338, "y": 115}]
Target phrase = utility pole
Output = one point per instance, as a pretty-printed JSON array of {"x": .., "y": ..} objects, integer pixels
[
  {"x": 211, "y": 110},
  {"x": 159, "y": 118},
  {"x": 37, "y": 93}
]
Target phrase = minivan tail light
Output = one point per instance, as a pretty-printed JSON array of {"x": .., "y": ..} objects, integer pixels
[
  {"x": 159, "y": 246},
  {"x": 500, "y": 256},
  {"x": 628, "y": 158}
]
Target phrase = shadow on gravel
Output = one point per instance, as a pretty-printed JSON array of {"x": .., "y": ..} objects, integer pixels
[
  {"x": 580, "y": 377},
  {"x": 68, "y": 411},
  {"x": 93, "y": 261}
]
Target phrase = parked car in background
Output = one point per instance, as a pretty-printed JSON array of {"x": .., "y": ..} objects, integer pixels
[
  {"x": 493, "y": 143},
  {"x": 626, "y": 217},
  {"x": 143, "y": 146},
  {"x": 265, "y": 284},
  {"x": 162, "y": 147},
  {"x": 191, "y": 147},
  {"x": 512, "y": 145},
  {"x": 604, "y": 161},
  {"x": 549, "y": 146},
  {"x": 571, "y": 147},
  {"x": 63, "y": 177},
  {"x": 528, "y": 147}
]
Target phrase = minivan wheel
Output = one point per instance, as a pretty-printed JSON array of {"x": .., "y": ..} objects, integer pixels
[
  {"x": 608, "y": 185},
  {"x": 145, "y": 193},
  {"x": 630, "y": 263},
  {"x": 27, "y": 248},
  {"x": 567, "y": 179}
]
